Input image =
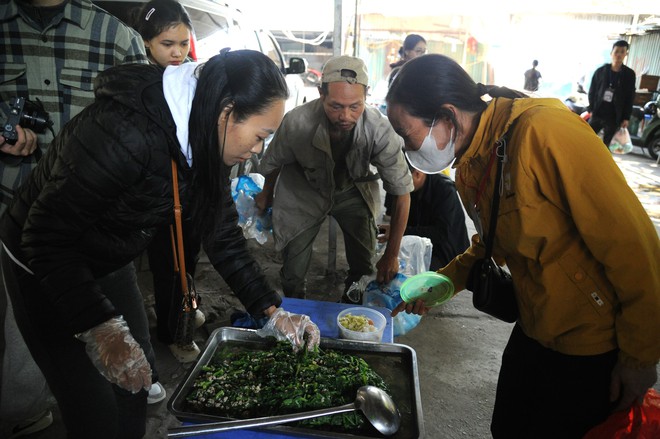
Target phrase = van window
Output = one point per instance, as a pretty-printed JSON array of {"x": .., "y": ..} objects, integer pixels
[
  {"x": 207, "y": 24},
  {"x": 268, "y": 47},
  {"x": 215, "y": 37},
  {"x": 212, "y": 33}
]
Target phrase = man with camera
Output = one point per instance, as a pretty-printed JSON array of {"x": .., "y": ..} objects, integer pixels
[
  {"x": 22, "y": 149},
  {"x": 50, "y": 52}
]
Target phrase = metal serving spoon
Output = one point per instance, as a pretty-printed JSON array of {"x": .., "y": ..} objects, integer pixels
[{"x": 375, "y": 403}]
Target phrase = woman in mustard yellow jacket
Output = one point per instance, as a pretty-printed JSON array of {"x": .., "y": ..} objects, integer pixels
[{"x": 582, "y": 251}]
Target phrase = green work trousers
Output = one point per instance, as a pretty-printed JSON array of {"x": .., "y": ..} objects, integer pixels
[{"x": 359, "y": 230}]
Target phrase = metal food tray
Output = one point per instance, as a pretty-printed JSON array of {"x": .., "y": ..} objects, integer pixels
[{"x": 395, "y": 363}]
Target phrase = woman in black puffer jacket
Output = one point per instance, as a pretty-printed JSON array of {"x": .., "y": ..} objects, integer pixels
[{"x": 94, "y": 203}]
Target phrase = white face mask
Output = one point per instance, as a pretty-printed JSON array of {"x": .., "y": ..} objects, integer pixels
[{"x": 428, "y": 158}]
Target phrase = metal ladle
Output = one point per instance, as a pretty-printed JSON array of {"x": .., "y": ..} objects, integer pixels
[{"x": 375, "y": 403}]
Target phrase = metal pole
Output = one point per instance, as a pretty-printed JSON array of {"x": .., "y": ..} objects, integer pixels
[
  {"x": 355, "y": 30},
  {"x": 337, "y": 34}
]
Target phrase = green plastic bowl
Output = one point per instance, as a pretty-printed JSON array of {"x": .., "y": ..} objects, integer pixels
[{"x": 433, "y": 288}]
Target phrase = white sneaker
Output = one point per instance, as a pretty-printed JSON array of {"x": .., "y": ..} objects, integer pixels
[
  {"x": 33, "y": 424},
  {"x": 156, "y": 393},
  {"x": 200, "y": 318},
  {"x": 185, "y": 353}
]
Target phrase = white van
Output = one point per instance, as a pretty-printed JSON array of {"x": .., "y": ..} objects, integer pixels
[{"x": 217, "y": 25}]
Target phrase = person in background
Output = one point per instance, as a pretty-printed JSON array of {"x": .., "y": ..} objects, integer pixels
[
  {"x": 435, "y": 213},
  {"x": 611, "y": 94},
  {"x": 586, "y": 341},
  {"x": 101, "y": 193},
  {"x": 413, "y": 46},
  {"x": 166, "y": 29},
  {"x": 320, "y": 158},
  {"x": 50, "y": 51},
  {"x": 532, "y": 77}
]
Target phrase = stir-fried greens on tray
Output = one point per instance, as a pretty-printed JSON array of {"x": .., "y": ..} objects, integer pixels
[{"x": 246, "y": 384}]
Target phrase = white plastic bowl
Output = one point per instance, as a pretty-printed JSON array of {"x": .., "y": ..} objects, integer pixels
[{"x": 376, "y": 317}]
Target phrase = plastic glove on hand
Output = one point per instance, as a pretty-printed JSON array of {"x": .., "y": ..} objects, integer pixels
[
  {"x": 117, "y": 356},
  {"x": 284, "y": 325}
]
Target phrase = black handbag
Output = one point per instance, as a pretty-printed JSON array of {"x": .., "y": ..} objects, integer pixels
[
  {"x": 185, "y": 299},
  {"x": 491, "y": 286}
]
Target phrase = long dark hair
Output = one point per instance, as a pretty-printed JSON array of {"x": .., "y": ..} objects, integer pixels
[
  {"x": 157, "y": 16},
  {"x": 251, "y": 83},
  {"x": 428, "y": 82}
]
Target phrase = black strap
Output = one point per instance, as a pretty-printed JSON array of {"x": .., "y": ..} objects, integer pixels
[{"x": 495, "y": 205}]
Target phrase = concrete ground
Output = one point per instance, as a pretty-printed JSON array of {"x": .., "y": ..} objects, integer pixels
[{"x": 458, "y": 349}]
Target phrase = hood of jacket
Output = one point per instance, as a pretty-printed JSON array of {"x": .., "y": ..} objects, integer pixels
[
  {"x": 138, "y": 87},
  {"x": 143, "y": 88}
]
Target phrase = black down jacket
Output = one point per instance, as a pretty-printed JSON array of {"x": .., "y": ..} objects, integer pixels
[
  {"x": 624, "y": 92},
  {"x": 102, "y": 190}
]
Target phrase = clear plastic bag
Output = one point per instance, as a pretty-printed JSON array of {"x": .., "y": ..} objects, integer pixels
[
  {"x": 621, "y": 143},
  {"x": 414, "y": 258},
  {"x": 415, "y": 254},
  {"x": 243, "y": 190}
]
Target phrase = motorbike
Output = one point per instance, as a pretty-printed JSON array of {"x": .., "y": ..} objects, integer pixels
[
  {"x": 578, "y": 102},
  {"x": 644, "y": 127}
]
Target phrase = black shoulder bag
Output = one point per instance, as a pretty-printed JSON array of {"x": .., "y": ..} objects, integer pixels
[{"x": 491, "y": 286}]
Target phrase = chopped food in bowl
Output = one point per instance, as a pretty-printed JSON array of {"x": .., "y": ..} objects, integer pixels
[
  {"x": 357, "y": 323},
  {"x": 361, "y": 323}
]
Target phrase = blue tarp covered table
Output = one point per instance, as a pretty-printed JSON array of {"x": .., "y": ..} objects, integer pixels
[{"x": 324, "y": 314}]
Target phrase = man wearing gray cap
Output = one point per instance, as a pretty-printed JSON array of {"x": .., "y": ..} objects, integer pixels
[{"x": 321, "y": 157}]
